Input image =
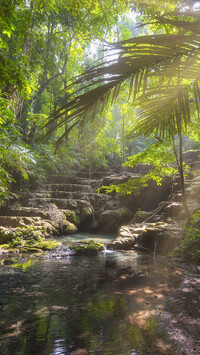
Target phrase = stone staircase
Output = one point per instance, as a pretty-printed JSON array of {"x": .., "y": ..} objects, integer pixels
[
  {"x": 75, "y": 198},
  {"x": 63, "y": 204},
  {"x": 74, "y": 203},
  {"x": 174, "y": 209},
  {"x": 160, "y": 230}
]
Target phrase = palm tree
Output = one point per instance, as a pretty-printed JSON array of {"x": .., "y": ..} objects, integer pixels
[{"x": 163, "y": 72}]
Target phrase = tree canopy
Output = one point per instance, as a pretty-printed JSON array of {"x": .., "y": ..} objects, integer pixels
[
  {"x": 162, "y": 70},
  {"x": 62, "y": 62}
]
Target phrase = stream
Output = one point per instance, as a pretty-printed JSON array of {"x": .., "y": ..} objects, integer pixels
[{"x": 58, "y": 303}]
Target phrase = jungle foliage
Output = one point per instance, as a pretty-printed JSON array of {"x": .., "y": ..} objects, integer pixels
[
  {"x": 62, "y": 62},
  {"x": 43, "y": 45},
  {"x": 189, "y": 250},
  {"x": 162, "y": 71}
]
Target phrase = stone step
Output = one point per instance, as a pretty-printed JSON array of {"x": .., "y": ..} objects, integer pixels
[
  {"x": 59, "y": 202},
  {"x": 91, "y": 196},
  {"x": 56, "y": 194},
  {"x": 190, "y": 182},
  {"x": 187, "y": 183},
  {"x": 94, "y": 174},
  {"x": 177, "y": 198},
  {"x": 37, "y": 212},
  {"x": 194, "y": 165},
  {"x": 70, "y": 180},
  {"x": 67, "y": 187},
  {"x": 196, "y": 177},
  {"x": 86, "y": 174},
  {"x": 173, "y": 209},
  {"x": 16, "y": 221},
  {"x": 26, "y": 212},
  {"x": 119, "y": 179}
]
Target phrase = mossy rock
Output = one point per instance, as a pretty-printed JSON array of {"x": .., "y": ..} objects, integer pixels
[
  {"x": 140, "y": 216},
  {"x": 48, "y": 229},
  {"x": 83, "y": 212},
  {"x": 40, "y": 246},
  {"x": 27, "y": 239},
  {"x": 4, "y": 246},
  {"x": 9, "y": 235},
  {"x": 6, "y": 235},
  {"x": 88, "y": 248},
  {"x": 47, "y": 245},
  {"x": 70, "y": 216},
  {"x": 31, "y": 250},
  {"x": 7, "y": 249},
  {"x": 69, "y": 228}
]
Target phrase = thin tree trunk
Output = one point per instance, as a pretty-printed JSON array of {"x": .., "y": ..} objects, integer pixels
[
  {"x": 181, "y": 174},
  {"x": 123, "y": 140},
  {"x": 180, "y": 165}
]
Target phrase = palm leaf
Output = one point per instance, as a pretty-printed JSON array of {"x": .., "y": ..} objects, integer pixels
[
  {"x": 166, "y": 57},
  {"x": 163, "y": 114}
]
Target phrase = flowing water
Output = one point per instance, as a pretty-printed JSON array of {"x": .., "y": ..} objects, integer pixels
[
  {"x": 59, "y": 304},
  {"x": 81, "y": 237}
]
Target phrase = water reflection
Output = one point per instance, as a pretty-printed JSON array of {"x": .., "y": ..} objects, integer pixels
[
  {"x": 82, "y": 237},
  {"x": 59, "y": 347},
  {"x": 86, "y": 306}
]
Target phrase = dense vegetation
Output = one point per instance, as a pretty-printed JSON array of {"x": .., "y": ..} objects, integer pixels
[
  {"x": 43, "y": 46},
  {"x": 83, "y": 79}
]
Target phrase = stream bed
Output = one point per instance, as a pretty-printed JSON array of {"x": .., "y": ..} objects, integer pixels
[{"x": 58, "y": 303}]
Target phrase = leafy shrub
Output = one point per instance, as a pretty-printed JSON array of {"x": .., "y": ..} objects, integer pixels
[{"x": 190, "y": 246}]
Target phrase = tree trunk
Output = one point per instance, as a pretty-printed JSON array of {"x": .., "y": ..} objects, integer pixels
[
  {"x": 181, "y": 174},
  {"x": 123, "y": 140}
]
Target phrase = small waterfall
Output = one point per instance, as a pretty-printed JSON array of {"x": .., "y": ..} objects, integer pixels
[
  {"x": 107, "y": 251},
  {"x": 62, "y": 251}
]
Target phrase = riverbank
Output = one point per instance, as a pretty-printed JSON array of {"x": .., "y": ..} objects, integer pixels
[
  {"x": 181, "y": 313},
  {"x": 151, "y": 303},
  {"x": 106, "y": 303}
]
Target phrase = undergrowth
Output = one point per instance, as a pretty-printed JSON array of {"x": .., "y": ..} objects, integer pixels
[{"x": 189, "y": 249}]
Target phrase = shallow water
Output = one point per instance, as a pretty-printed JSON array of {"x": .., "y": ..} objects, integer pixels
[
  {"x": 59, "y": 304},
  {"x": 81, "y": 237}
]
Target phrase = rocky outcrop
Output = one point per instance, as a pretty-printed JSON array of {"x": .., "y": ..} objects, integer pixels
[
  {"x": 88, "y": 248},
  {"x": 159, "y": 237},
  {"x": 79, "y": 204},
  {"x": 64, "y": 204},
  {"x": 160, "y": 230},
  {"x": 109, "y": 220}
]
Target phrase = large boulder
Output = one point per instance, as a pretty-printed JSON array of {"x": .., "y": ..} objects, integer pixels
[
  {"x": 173, "y": 209},
  {"x": 191, "y": 155},
  {"x": 159, "y": 237},
  {"x": 110, "y": 220},
  {"x": 88, "y": 248}
]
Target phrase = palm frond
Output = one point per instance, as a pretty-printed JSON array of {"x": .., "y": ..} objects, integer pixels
[
  {"x": 163, "y": 114},
  {"x": 167, "y": 57}
]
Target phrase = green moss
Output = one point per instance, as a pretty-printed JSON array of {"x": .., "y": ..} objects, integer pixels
[
  {"x": 71, "y": 216},
  {"x": 47, "y": 245},
  {"x": 140, "y": 216},
  {"x": 33, "y": 250},
  {"x": 24, "y": 266},
  {"x": 83, "y": 213},
  {"x": 17, "y": 235},
  {"x": 4, "y": 246},
  {"x": 28, "y": 239},
  {"x": 69, "y": 228},
  {"x": 94, "y": 245},
  {"x": 189, "y": 249},
  {"x": 87, "y": 248}
]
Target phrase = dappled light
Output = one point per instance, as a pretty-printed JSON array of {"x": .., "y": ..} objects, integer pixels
[
  {"x": 99, "y": 177},
  {"x": 103, "y": 317}
]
